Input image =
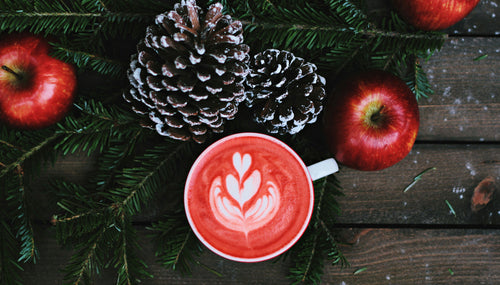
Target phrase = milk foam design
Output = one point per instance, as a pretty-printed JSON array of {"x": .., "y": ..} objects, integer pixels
[{"x": 246, "y": 202}]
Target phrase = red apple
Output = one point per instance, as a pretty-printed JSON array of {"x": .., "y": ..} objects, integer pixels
[
  {"x": 433, "y": 15},
  {"x": 36, "y": 90},
  {"x": 371, "y": 120}
]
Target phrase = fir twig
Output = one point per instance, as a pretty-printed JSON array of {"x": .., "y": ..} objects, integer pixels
[
  {"x": 25, "y": 232},
  {"x": 82, "y": 262},
  {"x": 90, "y": 61},
  {"x": 11, "y": 145},
  {"x": 318, "y": 241},
  {"x": 177, "y": 246},
  {"x": 130, "y": 269},
  {"x": 9, "y": 268},
  {"x": 335, "y": 255},
  {"x": 28, "y": 154}
]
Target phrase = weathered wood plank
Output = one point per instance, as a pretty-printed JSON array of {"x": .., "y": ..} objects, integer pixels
[
  {"x": 390, "y": 256},
  {"x": 413, "y": 256},
  {"x": 378, "y": 198},
  {"x": 466, "y": 103}
]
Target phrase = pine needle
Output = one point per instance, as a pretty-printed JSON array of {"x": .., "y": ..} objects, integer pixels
[
  {"x": 481, "y": 57},
  {"x": 358, "y": 271},
  {"x": 451, "y": 208},
  {"x": 417, "y": 178}
]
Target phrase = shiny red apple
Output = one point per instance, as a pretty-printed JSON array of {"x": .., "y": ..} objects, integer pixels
[
  {"x": 371, "y": 120},
  {"x": 433, "y": 15},
  {"x": 36, "y": 90}
]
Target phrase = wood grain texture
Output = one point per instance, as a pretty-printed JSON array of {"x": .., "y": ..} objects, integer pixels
[
  {"x": 378, "y": 198},
  {"x": 413, "y": 256},
  {"x": 466, "y": 103}
]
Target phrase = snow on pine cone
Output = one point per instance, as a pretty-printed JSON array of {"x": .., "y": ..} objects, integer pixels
[
  {"x": 285, "y": 93},
  {"x": 189, "y": 71}
]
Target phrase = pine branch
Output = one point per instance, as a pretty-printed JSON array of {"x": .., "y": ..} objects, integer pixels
[
  {"x": 86, "y": 60},
  {"x": 305, "y": 25},
  {"x": 130, "y": 268},
  {"x": 28, "y": 154},
  {"x": 96, "y": 129},
  {"x": 110, "y": 208},
  {"x": 335, "y": 255},
  {"x": 85, "y": 211},
  {"x": 140, "y": 183},
  {"x": 86, "y": 260},
  {"x": 56, "y": 17},
  {"x": 25, "y": 231},
  {"x": 10, "y": 270},
  {"x": 11, "y": 145},
  {"x": 318, "y": 241},
  {"x": 349, "y": 12},
  {"x": 418, "y": 82},
  {"x": 309, "y": 259},
  {"x": 177, "y": 247}
]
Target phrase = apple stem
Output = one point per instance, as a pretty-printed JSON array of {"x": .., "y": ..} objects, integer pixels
[
  {"x": 8, "y": 69},
  {"x": 375, "y": 117}
]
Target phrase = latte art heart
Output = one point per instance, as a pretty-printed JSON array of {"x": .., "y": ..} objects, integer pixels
[{"x": 244, "y": 203}]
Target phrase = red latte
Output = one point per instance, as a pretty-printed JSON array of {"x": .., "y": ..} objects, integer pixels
[{"x": 248, "y": 197}]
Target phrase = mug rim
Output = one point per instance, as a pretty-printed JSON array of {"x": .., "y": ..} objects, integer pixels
[{"x": 282, "y": 249}]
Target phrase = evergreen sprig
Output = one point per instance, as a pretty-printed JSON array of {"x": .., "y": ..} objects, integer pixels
[
  {"x": 89, "y": 61},
  {"x": 129, "y": 178},
  {"x": 177, "y": 246},
  {"x": 338, "y": 36},
  {"x": 83, "y": 30},
  {"x": 10, "y": 266},
  {"x": 95, "y": 127},
  {"x": 318, "y": 243},
  {"x": 10, "y": 269}
]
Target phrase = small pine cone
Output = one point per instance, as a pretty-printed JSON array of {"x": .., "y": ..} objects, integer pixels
[
  {"x": 284, "y": 91},
  {"x": 189, "y": 71}
]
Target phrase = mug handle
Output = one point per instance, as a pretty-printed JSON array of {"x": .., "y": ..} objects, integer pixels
[{"x": 323, "y": 168}]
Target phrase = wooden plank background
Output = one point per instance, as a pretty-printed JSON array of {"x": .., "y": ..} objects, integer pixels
[{"x": 397, "y": 237}]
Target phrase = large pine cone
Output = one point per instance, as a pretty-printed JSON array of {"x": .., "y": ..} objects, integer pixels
[
  {"x": 188, "y": 75},
  {"x": 285, "y": 92}
]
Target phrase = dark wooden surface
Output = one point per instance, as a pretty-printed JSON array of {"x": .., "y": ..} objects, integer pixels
[{"x": 397, "y": 237}]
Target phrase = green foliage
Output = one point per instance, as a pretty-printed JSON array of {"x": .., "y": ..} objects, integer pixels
[
  {"x": 83, "y": 30},
  {"x": 418, "y": 82},
  {"x": 85, "y": 60},
  {"x": 95, "y": 127},
  {"x": 134, "y": 166},
  {"x": 338, "y": 35},
  {"x": 10, "y": 267},
  {"x": 177, "y": 246},
  {"x": 318, "y": 242}
]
